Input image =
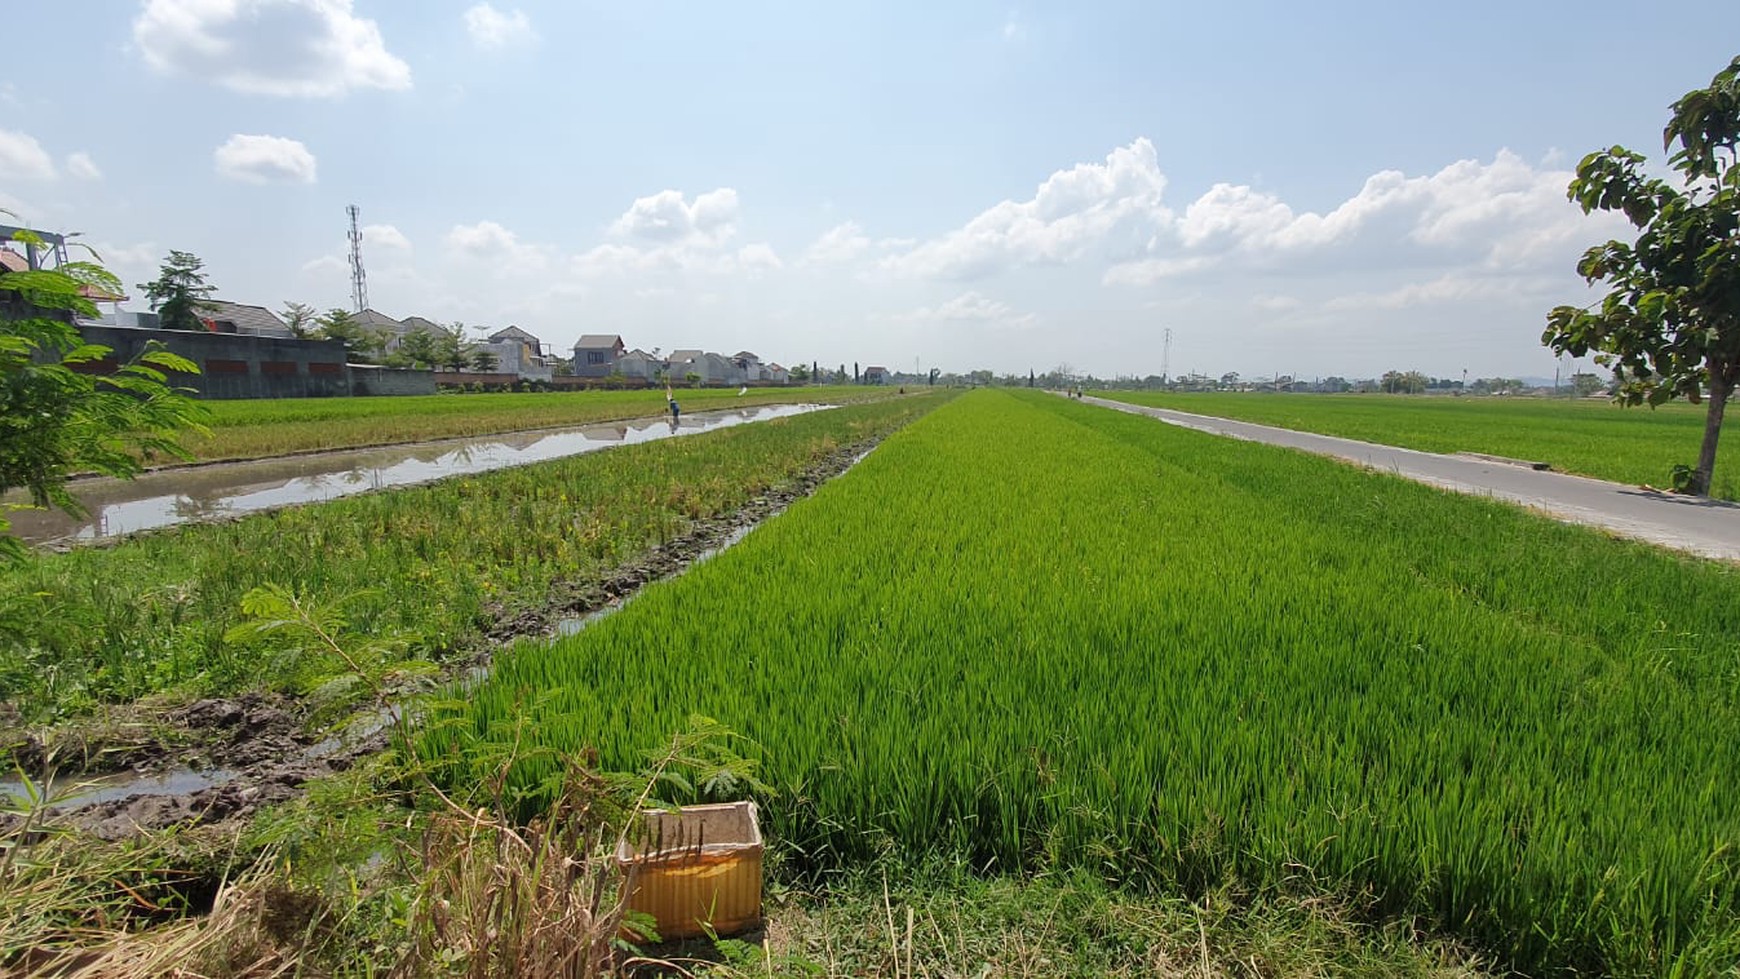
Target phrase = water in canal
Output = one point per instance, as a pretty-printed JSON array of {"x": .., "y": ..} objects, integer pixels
[{"x": 197, "y": 493}]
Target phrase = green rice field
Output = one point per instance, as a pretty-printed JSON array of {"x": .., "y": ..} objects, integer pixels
[
  {"x": 253, "y": 429},
  {"x": 446, "y": 561},
  {"x": 1029, "y": 634},
  {"x": 1591, "y": 438}
]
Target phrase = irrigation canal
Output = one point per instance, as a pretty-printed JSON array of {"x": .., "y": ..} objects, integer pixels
[
  {"x": 196, "y": 493},
  {"x": 1709, "y": 528}
]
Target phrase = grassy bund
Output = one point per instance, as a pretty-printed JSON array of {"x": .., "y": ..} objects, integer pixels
[
  {"x": 443, "y": 563},
  {"x": 258, "y": 429},
  {"x": 1032, "y": 634},
  {"x": 1592, "y": 438}
]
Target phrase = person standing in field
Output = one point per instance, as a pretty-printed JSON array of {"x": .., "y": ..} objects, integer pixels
[{"x": 671, "y": 402}]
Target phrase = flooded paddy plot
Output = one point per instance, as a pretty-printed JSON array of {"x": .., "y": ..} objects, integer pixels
[{"x": 198, "y": 494}]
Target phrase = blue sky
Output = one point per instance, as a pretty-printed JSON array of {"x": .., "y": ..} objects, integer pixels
[{"x": 1308, "y": 189}]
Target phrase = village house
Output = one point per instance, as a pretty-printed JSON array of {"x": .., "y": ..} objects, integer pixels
[
  {"x": 596, "y": 354},
  {"x": 708, "y": 368},
  {"x": 375, "y": 320},
  {"x": 639, "y": 364},
  {"x": 875, "y": 375},
  {"x": 222, "y": 316},
  {"x": 518, "y": 352},
  {"x": 750, "y": 365}
]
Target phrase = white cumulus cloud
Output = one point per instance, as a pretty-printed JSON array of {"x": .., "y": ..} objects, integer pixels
[
  {"x": 838, "y": 245},
  {"x": 668, "y": 217},
  {"x": 1091, "y": 206},
  {"x": 23, "y": 158},
  {"x": 1499, "y": 216},
  {"x": 970, "y": 307},
  {"x": 384, "y": 236},
  {"x": 1450, "y": 288},
  {"x": 667, "y": 233},
  {"x": 81, "y": 165},
  {"x": 491, "y": 244},
  {"x": 264, "y": 159},
  {"x": 491, "y": 29},
  {"x": 295, "y": 48},
  {"x": 758, "y": 258}
]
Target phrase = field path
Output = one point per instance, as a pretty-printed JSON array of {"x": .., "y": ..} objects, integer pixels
[{"x": 1709, "y": 528}]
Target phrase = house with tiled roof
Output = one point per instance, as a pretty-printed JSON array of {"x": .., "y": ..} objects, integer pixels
[
  {"x": 519, "y": 352},
  {"x": 708, "y": 368},
  {"x": 596, "y": 354},
  {"x": 223, "y": 316},
  {"x": 637, "y": 363}
]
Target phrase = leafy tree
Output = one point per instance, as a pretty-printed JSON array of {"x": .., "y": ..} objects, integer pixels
[
  {"x": 563, "y": 368},
  {"x": 361, "y": 344},
  {"x": 180, "y": 293},
  {"x": 55, "y": 420},
  {"x": 799, "y": 373},
  {"x": 483, "y": 361},
  {"x": 452, "y": 349},
  {"x": 1669, "y": 326},
  {"x": 299, "y": 317},
  {"x": 418, "y": 348},
  {"x": 1399, "y": 382}
]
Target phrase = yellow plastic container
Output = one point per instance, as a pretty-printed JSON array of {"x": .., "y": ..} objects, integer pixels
[{"x": 696, "y": 870}]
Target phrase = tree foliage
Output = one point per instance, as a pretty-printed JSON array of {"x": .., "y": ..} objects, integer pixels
[
  {"x": 361, "y": 344},
  {"x": 299, "y": 317},
  {"x": 1669, "y": 325},
  {"x": 179, "y": 295},
  {"x": 1404, "y": 382},
  {"x": 56, "y": 420},
  {"x": 453, "y": 349}
]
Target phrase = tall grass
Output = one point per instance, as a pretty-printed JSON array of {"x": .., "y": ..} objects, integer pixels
[
  {"x": 445, "y": 562},
  {"x": 1592, "y": 438},
  {"x": 1029, "y": 633},
  {"x": 257, "y": 429}
]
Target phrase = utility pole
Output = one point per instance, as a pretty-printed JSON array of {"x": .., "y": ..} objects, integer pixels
[
  {"x": 1166, "y": 359},
  {"x": 359, "y": 283}
]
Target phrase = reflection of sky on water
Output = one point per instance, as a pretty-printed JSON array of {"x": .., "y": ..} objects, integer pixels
[{"x": 207, "y": 492}]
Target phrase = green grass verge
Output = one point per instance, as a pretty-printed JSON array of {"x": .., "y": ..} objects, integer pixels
[
  {"x": 445, "y": 561},
  {"x": 324, "y": 885},
  {"x": 258, "y": 429},
  {"x": 1031, "y": 633},
  {"x": 1592, "y": 438},
  {"x": 892, "y": 920}
]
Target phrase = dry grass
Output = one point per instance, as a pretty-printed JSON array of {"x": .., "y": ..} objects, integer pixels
[{"x": 539, "y": 902}]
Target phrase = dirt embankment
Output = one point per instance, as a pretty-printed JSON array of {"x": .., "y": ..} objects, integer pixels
[{"x": 235, "y": 755}]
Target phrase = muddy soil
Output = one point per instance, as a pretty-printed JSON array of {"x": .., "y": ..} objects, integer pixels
[{"x": 260, "y": 749}]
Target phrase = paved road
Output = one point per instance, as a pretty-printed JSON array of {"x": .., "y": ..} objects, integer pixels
[{"x": 1705, "y": 527}]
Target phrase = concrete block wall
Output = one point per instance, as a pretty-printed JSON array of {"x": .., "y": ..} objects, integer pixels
[
  {"x": 235, "y": 365},
  {"x": 366, "y": 380}
]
